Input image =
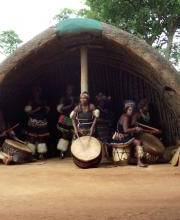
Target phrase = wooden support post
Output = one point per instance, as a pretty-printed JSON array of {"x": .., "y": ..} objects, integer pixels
[{"x": 84, "y": 70}]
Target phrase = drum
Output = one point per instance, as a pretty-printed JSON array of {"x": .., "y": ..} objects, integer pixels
[
  {"x": 153, "y": 147},
  {"x": 19, "y": 151},
  {"x": 86, "y": 152},
  {"x": 121, "y": 154}
]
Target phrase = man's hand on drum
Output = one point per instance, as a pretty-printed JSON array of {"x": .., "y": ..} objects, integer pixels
[
  {"x": 138, "y": 129},
  {"x": 157, "y": 131}
]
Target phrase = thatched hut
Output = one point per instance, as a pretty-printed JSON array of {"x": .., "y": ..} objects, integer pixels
[{"x": 119, "y": 64}]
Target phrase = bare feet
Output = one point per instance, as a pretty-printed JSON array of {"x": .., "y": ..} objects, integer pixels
[
  {"x": 7, "y": 160},
  {"x": 42, "y": 157},
  {"x": 141, "y": 164}
]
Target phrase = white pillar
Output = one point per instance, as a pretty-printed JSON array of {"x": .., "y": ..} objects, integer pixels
[{"x": 84, "y": 70}]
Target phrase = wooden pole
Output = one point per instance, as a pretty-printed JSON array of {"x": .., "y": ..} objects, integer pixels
[{"x": 84, "y": 70}]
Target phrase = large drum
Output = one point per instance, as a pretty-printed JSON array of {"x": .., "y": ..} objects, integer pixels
[
  {"x": 153, "y": 147},
  {"x": 19, "y": 151},
  {"x": 86, "y": 152}
]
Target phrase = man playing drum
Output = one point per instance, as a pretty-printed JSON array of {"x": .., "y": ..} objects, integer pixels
[
  {"x": 150, "y": 136},
  {"x": 6, "y": 134},
  {"x": 86, "y": 150},
  {"x": 7, "y": 159},
  {"x": 143, "y": 118},
  {"x": 84, "y": 116},
  {"x": 142, "y": 115},
  {"x": 128, "y": 133}
]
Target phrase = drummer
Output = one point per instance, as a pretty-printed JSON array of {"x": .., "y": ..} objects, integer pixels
[
  {"x": 7, "y": 132},
  {"x": 84, "y": 116},
  {"x": 142, "y": 116},
  {"x": 6, "y": 159},
  {"x": 37, "y": 128},
  {"x": 64, "y": 125},
  {"x": 129, "y": 132}
]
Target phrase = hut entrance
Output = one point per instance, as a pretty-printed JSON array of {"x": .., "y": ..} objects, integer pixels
[
  {"x": 113, "y": 81},
  {"x": 112, "y": 69}
]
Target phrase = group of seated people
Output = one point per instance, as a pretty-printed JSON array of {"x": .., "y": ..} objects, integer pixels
[{"x": 76, "y": 119}]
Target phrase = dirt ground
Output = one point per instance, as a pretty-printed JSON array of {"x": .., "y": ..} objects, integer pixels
[{"x": 59, "y": 190}]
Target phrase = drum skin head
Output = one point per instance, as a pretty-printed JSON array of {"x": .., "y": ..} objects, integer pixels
[
  {"x": 18, "y": 145},
  {"x": 86, "y": 148},
  {"x": 152, "y": 144}
]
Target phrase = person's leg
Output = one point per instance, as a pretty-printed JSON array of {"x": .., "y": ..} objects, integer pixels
[
  {"x": 2, "y": 155},
  {"x": 139, "y": 152},
  {"x": 17, "y": 159},
  {"x": 7, "y": 159},
  {"x": 42, "y": 150},
  {"x": 32, "y": 147},
  {"x": 62, "y": 146}
]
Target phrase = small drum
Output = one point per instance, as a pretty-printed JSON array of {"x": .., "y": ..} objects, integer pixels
[
  {"x": 121, "y": 154},
  {"x": 19, "y": 151},
  {"x": 86, "y": 152},
  {"x": 153, "y": 147}
]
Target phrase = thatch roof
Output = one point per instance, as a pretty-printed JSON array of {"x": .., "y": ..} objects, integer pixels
[{"x": 141, "y": 68}]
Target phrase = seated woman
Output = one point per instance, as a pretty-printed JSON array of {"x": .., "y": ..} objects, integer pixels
[
  {"x": 84, "y": 116},
  {"x": 64, "y": 125},
  {"x": 128, "y": 133},
  {"x": 104, "y": 122},
  {"x": 37, "y": 127}
]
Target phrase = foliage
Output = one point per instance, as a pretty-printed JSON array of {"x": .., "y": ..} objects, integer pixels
[
  {"x": 9, "y": 41},
  {"x": 155, "y": 21},
  {"x": 64, "y": 14}
]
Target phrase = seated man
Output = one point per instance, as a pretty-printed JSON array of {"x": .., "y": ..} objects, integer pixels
[
  {"x": 7, "y": 132},
  {"x": 150, "y": 134},
  {"x": 143, "y": 118},
  {"x": 7, "y": 159},
  {"x": 84, "y": 116},
  {"x": 128, "y": 133}
]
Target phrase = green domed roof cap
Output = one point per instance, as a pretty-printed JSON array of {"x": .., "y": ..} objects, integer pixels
[{"x": 78, "y": 25}]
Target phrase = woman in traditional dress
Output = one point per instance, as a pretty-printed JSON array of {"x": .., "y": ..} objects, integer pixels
[
  {"x": 64, "y": 125},
  {"x": 37, "y": 128},
  {"x": 128, "y": 133},
  {"x": 104, "y": 123},
  {"x": 84, "y": 116}
]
